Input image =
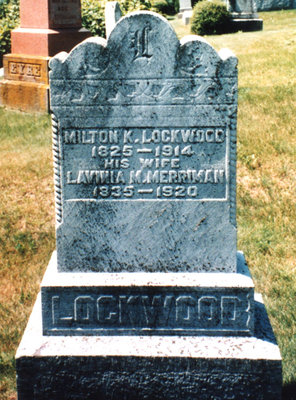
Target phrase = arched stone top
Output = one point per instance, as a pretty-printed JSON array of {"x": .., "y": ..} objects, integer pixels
[{"x": 142, "y": 45}]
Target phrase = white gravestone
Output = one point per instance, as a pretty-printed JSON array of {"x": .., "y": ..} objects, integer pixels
[{"x": 112, "y": 15}]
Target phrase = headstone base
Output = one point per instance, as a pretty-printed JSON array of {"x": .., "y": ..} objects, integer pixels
[
  {"x": 150, "y": 367},
  {"x": 24, "y": 96},
  {"x": 246, "y": 24},
  {"x": 185, "y": 15},
  {"x": 25, "y": 86}
]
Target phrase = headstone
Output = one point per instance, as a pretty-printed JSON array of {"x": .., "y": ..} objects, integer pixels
[
  {"x": 112, "y": 15},
  {"x": 146, "y": 296},
  {"x": 185, "y": 5},
  {"x": 46, "y": 28},
  {"x": 185, "y": 11},
  {"x": 244, "y": 15}
]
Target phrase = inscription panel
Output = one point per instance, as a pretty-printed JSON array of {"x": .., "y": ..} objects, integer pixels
[
  {"x": 145, "y": 163},
  {"x": 140, "y": 311},
  {"x": 18, "y": 67},
  {"x": 64, "y": 13},
  {"x": 26, "y": 69}
]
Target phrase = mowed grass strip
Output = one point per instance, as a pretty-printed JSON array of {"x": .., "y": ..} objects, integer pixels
[
  {"x": 26, "y": 227},
  {"x": 266, "y": 172},
  {"x": 266, "y": 179}
]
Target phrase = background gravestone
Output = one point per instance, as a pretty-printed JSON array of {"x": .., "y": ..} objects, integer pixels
[
  {"x": 244, "y": 15},
  {"x": 146, "y": 297},
  {"x": 112, "y": 15},
  {"x": 185, "y": 11},
  {"x": 46, "y": 28}
]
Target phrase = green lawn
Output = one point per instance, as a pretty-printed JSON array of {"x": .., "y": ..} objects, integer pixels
[{"x": 266, "y": 192}]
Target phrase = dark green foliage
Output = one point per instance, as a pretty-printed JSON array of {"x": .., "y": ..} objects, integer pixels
[
  {"x": 132, "y": 5},
  {"x": 93, "y": 16},
  {"x": 210, "y": 17},
  {"x": 193, "y": 2},
  {"x": 9, "y": 19},
  {"x": 167, "y": 7},
  {"x": 93, "y": 13}
]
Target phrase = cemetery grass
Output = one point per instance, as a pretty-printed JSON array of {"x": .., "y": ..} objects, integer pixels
[{"x": 266, "y": 175}]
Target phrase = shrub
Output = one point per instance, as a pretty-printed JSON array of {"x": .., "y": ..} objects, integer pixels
[
  {"x": 193, "y": 2},
  {"x": 93, "y": 16},
  {"x": 210, "y": 17},
  {"x": 93, "y": 13},
  {"x": 167, "y": 7},
  {"x": 132, "y": 5},
  {"x": 9, "y": 19}
]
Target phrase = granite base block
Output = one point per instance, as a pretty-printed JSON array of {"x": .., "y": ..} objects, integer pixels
[
  {"x": 24, "y": 96},
  {"x": 148, "y": 367},
  {"x": 191, "y": 304},
  {"x": 246, "y": 25}
]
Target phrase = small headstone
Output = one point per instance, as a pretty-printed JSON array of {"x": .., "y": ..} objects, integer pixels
[
  {"x": 144, "y": 138},
  {"x": 112, "y": 15},
  {"x": 185, "y": 11},
  {"x": 186, "y": 15},
  {"x": 185, "y": 5}
]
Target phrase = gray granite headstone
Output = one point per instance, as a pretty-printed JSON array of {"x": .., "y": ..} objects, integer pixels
[
  {"x": 144, "y": 150},
  {"x": 246, "y": 7},
  {"x": 146, "y": 296}
]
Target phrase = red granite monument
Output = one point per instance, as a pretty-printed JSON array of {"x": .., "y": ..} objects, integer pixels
[{"x": 46, "y": 28}]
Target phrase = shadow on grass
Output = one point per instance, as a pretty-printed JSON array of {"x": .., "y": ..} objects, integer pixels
[{"x": 289, "y": 391}]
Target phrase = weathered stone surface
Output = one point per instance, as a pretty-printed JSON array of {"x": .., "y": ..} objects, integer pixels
[
  {"x": 144, "y": 150},
  {"x": 24, "y": 96},
  {"x": 150, "y": 368},
  {"x": 19, "y": 67},
  {"x": 268, "y": 5},
  {"x": 148, "y": 304}
]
